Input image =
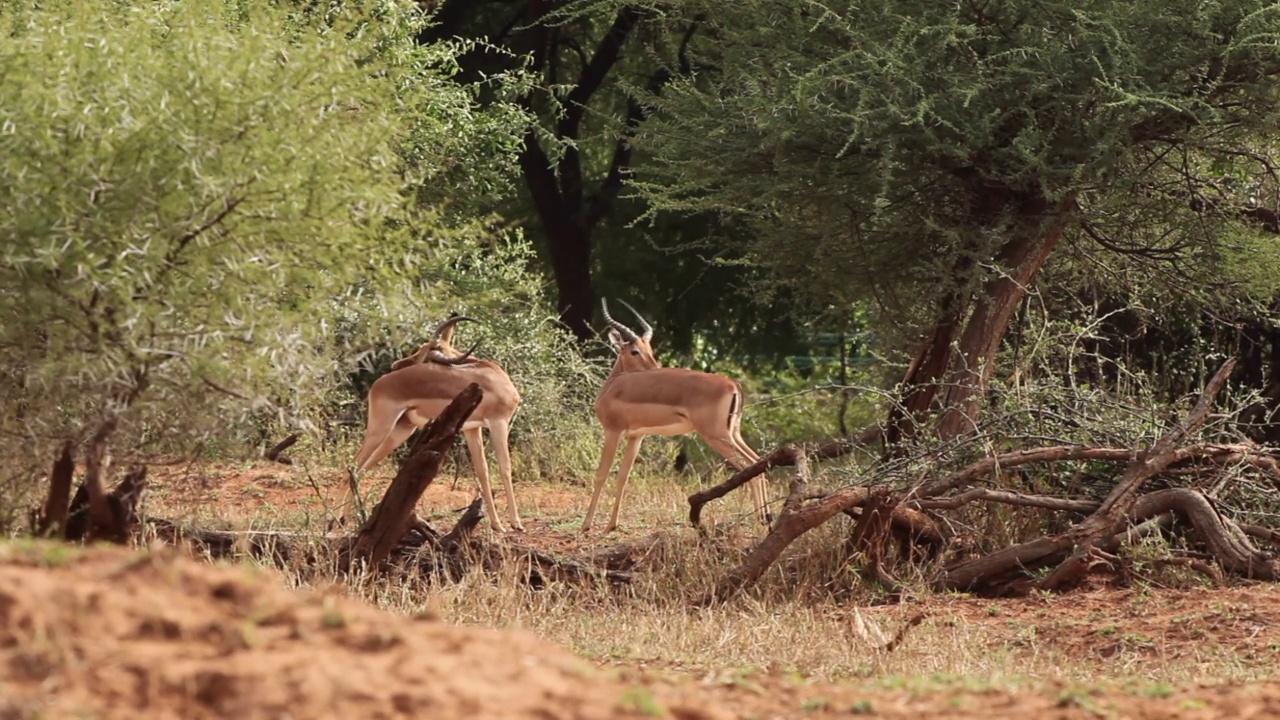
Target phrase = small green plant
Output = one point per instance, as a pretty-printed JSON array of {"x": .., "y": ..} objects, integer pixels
[
  {"x": 638, "y": 699},
  {"x": 332, "y": 617},
  {"x": 862, "y": 707},
  {"x": 815, "y": 704}
]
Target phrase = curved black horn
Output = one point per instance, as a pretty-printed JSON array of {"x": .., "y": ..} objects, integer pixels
[
  {"x": 627, "y": 333},
  {"x": 440, "y": 358},
  {"x": 453, "y": 320},
  {"x": 644, "y": 324}
]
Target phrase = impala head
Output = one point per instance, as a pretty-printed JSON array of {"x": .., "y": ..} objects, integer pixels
[
  {"x": 440, "y": 348},
  {"x": 634, "y": 351}
]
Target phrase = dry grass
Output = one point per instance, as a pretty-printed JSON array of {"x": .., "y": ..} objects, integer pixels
[{"x": 811, "y": 617}]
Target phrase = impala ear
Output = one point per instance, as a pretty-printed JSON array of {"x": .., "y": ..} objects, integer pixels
[{"x": 615, "y": 337}]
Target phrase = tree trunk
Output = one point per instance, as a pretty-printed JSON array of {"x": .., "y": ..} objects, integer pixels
[
  {"x": 569, "y": 245},
  {"x": 960, "y": 353},
  {"x": 972, "y": 367}
]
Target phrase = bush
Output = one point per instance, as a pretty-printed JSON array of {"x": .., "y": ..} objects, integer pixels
[{"x": 193, "y": 190}]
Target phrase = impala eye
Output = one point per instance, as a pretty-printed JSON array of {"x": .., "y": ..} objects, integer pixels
[{"x": 635, "y": 352}]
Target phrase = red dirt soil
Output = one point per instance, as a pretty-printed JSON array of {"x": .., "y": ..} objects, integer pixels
[
  {"x": 113, "y": 633},
  {"x": 153, "y": 634}
]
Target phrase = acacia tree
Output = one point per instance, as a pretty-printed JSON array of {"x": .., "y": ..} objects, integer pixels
[
  {"x": 191, "y": 187},
  {"x": 931, "y": 157}
]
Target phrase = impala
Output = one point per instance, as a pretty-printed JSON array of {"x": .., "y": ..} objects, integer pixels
[
  {"x": 640, "y": 397},
  {"x": 419, "y": 388}
]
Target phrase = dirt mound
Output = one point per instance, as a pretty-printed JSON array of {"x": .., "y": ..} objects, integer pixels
[{"x": 111, "y": 633}]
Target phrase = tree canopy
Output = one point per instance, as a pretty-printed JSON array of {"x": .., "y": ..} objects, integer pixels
[
  {"x": 193, "y": 187},
  {"x": 928, "y": 158}
]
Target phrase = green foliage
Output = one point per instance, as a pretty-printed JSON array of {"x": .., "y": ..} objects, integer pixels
[
  {"x": 193, "y": 189},
  {"x": 884, "y": 152}
]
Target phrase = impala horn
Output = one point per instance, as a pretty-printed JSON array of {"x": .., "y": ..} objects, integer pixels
[
  {"x": 444, "y": 333},
  {"x": 627, "y": 333},
  {"x": 644, "y": 324},
  {"x": 440, "y": 358}
]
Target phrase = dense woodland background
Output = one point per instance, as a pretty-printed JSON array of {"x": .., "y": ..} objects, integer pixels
[{"x": 974, "y": 227}]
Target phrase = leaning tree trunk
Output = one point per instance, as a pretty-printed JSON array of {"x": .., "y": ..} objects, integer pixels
[{"x": 959, "y": 354}]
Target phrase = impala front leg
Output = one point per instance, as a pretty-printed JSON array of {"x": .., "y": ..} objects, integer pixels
[
  {"x": 475, "y": 444},
  {"x": 499, "y": 433},
  {"x": 607, "y": 453},
  {"x": 624, "y": 470}
]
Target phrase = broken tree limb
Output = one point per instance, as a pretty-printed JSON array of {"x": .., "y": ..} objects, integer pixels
[
  {"x": 122, "y": 511},
  {"x": 390, "y": 520},
  {"x": 1226, "y": 544},
  {"x": 273, "y": 453},
  {"x": 1103, "y": 523},
  {"x": 53, "y": 516},
  {"x": 465, "y": 527},
  {"x": 1221, "y": 454},
  {"x": 783, "y": 456},
  {"x": 988, "y": 465},
  {"x": 277, "y": 547},
  {"x": 1005, "y": 497},
  {"x": 799, "y": 515},
  {"x": 97, "y": 462}
]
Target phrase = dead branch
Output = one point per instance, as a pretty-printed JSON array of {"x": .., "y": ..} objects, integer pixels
[
  {"x": 798, "y": 517},
  {"x": 1005, "y": 497},
  {"x": 901, "y": 635},
  {"x": 277, "y": 547},
  {"x": 989, "y": 465},
  {"x": 97, "y": 462},
  {"x": 1218, "y": 453},
  {"x": 868, "y": 537},
  {"x": 783, "y": 456},
  {"x": 1261, "y": 533},
  {"x": 465, "y": 527},
  {"x": 1103, "y": 523},
  {"x": 1231, "y": 549},
  {"x": 122, "y": 511},
  {"x": 390, "y": 520},
  {"x": 53, "y": 516},
  {"x": 273, "y": 453},
  {"x": 1209, "y": 570}
]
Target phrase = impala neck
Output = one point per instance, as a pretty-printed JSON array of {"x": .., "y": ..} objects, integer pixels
[{"x": 621, "y": 367}]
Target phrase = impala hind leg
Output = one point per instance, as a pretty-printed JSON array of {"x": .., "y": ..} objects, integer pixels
[
  {"x": 475, "y": 444},
  {"x": 739, "y": 455},
  {"x": 499, "y": 434},
  {"x": 384, "y": 433},
  {"x": 759, "y": 484},
  {"x": 607, "y": 453},
  {"x": 624, "y": 470}
]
